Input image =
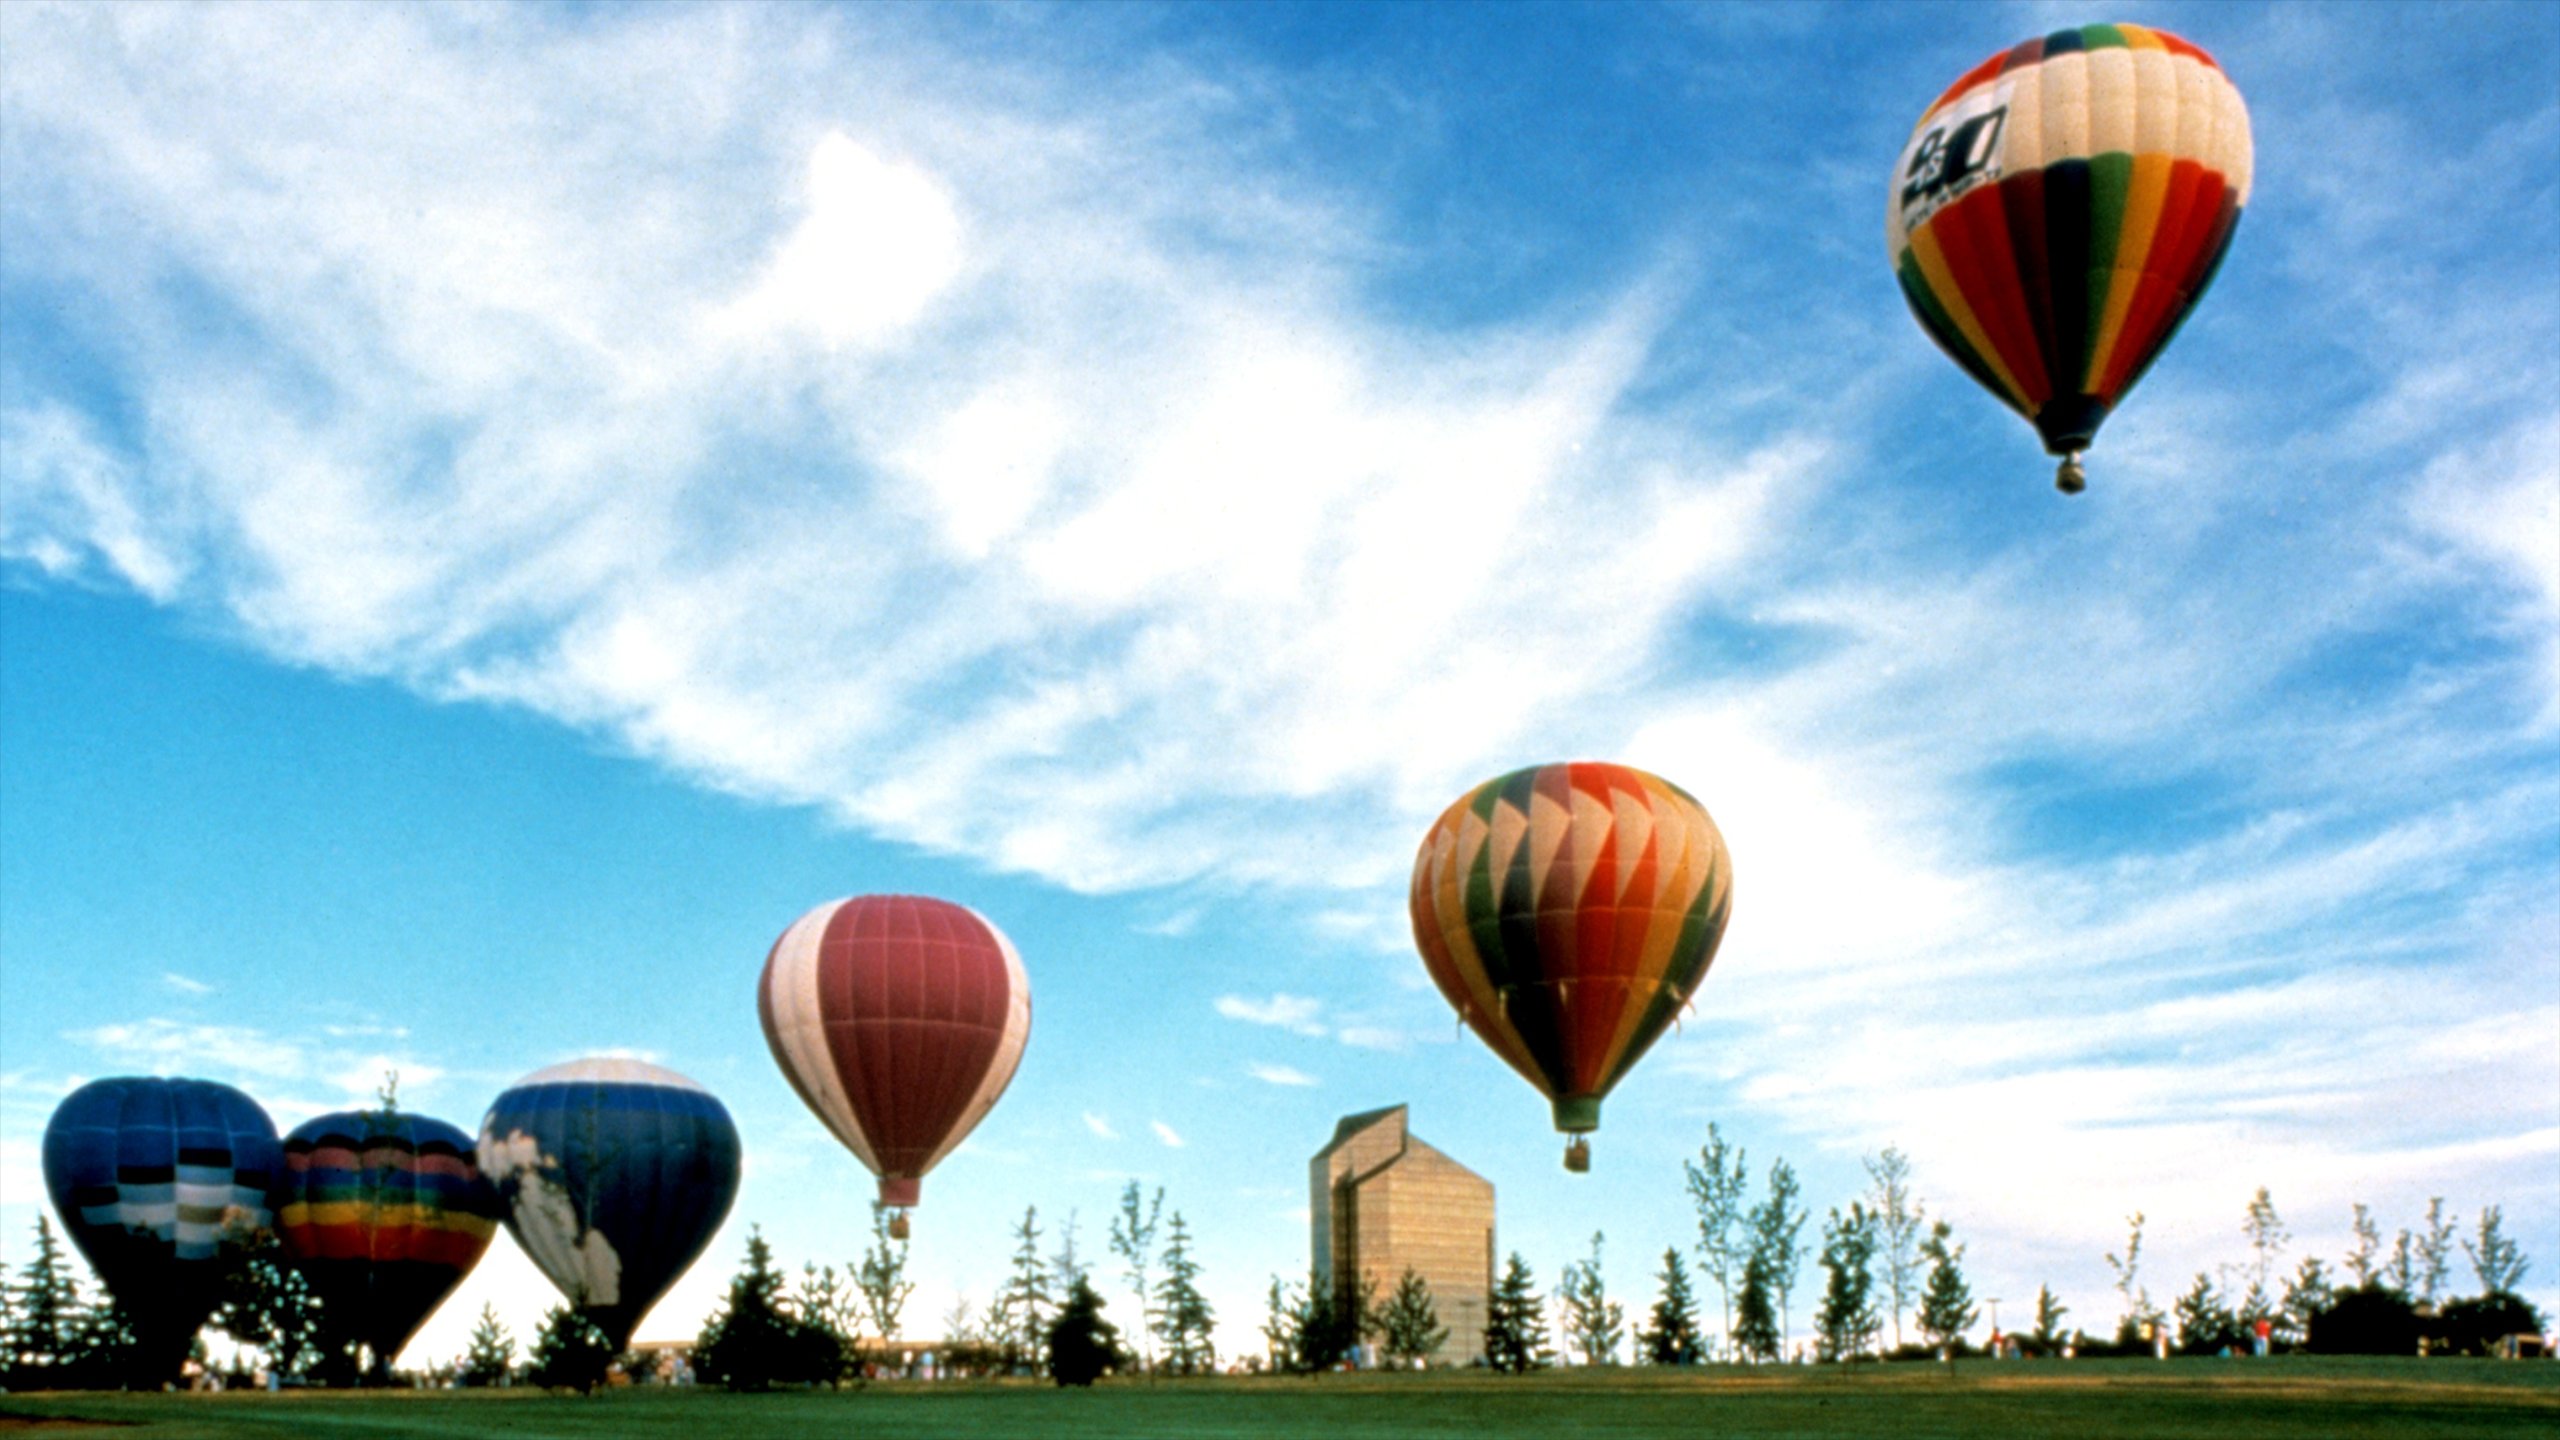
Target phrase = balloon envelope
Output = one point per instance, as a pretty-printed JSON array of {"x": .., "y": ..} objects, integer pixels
[
  {"x": 161, "y": 1183},
  {"x": 899, "y": 1020},
  {"x": 2060, "y": 207},
  {"x": 384, "y": 1214},
  {"x": 1567, "y": 912},
  {"x": 614, "y": 1174}
]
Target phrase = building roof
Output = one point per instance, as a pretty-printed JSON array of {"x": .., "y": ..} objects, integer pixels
[{"x": 1351, "y": 1125}]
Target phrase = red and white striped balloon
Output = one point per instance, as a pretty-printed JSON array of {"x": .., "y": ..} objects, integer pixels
[{"x": 900, "y": 1020}]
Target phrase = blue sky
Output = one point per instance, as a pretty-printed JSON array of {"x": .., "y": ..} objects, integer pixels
[{"x": 502, "y": 509}]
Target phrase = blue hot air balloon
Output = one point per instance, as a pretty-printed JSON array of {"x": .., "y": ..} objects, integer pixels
[
  {"x": 615, "y": 1174},
  {"x": 162, "y": 1184}
]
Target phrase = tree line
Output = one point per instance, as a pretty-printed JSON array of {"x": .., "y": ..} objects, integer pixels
[{"x": 1883, "y": 1258}]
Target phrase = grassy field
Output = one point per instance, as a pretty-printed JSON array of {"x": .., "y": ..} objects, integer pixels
[{"x": 2118, "y": 1400}]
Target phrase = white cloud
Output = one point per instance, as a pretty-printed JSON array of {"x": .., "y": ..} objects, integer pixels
[
  {"x": 1100, "y": 1125},
  {"x": 184, "y": 984},
  {"x": 170, "y": 1047},
  {"x": 1295, "y": 1013},
  {"x": 879, "y": 242},
  {"x": 1172, "y": 1139},
  {"x": 1270, "y": 1074}
]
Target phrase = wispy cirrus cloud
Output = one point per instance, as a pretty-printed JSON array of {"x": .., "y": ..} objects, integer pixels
[
  {"x": 1166, "y": 1135},
  {"x": 1100, "y": 1126},
  {"x": 1270, "y": 1074},
  {"x": 1295, "y": 1013}
]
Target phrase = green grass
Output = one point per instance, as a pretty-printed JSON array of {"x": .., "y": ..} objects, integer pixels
[{"x": 2115, "y": 1399}]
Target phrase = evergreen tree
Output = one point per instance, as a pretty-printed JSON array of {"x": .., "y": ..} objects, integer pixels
[
  {"x": 1847, "y": 1320},
  {"x": 1755, "y": 1321},
  {"x": 1777, "y": 1229},
  {"x": 1023, "y": 1309},
  {"x": 2498, "y": 1261},
  {"x": 570, "y": 1352},
  {"x": 881, "y": 1277},
  {"x": 2205, "y": 1322},
  {"x": 1897, "y": 1218},
  {"x": 266, "y": 1303},
  {"x": 2305, "y": 1295},
  {"x": 1515, "y": 1322},
  {"x": 1409, "y": 1323},
  {"x": 44, "y": 1326},
  {"x": 1946, "y": 1302},
  {"x": 1717, "y": 1186},
  {"x": 1328, "y": 1320},
  {"x": 1081, "y": 1344},
  {"x": 2049, "y": 1312},
  {"x": 1593, "y": 1323},
  {"x": 1671, "y": 1337},
  {"x": 491, "y": 1360},
  {"x": 107, "y": 1351},
  {"x": 758, "y": 1339},
  {"x": 1133, "y": 1239},
  {"x": 1183, "y": 1315},
  {"x": 1066, "y": 1267}
]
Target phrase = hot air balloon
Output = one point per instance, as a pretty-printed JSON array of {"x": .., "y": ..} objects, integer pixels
[
  {"x": 384, "y": 1213},
  {"x": 614, "y": 1175},
  {"x": 2059, "y": 209},
  {"x": 899, "y": 1020},
  {"x": 162, "y": 1184},
  {"x": 1568, "y": 912}
]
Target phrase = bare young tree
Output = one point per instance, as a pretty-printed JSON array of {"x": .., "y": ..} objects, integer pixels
[
  {"x": 1717, "y": 1186},
  {"x": 1133, "y": 1239},
  {"x": 2267, "y": 1236},
  {"x": 1900, "y": 1219},
  {"x": 881, "y": 1277},
  {"x": 2128, "y": 1268},
  {"x": 2497, "y": 1260},
  {"x": 2435, "y": 1252},
  {"x": 2365, "y": 1261}
]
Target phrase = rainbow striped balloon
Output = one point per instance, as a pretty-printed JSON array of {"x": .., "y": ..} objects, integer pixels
[
  {"x": 2060, "y": 208},
  {"x": 1567, "y": 912},
  {"x": 384, "y": 1214}
]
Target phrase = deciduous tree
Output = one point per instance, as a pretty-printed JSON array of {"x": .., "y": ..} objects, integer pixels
[
  {"x": 1593, "y": 1323},
  {"x": 881, "y": 1277},
  {"x": 1777, "y": 1237},
  {"x": 2497, "y": 1261},
  {"x": 1133, "y": 1239},
  {"x": 1847, "y": 1321},
  {"x": 1899, "y": 1218},
  {"x": 1717, "y": 1185}
]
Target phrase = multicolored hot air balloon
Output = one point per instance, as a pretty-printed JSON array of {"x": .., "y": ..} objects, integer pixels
[
  {"x": 614, "y": 1175},
  {"x": 2060, "y": 208},
  {"x": 162, "y": 1184},
  {"x": 384, "y": 1213},
  {"x": 899, "y": 1020},
  {"x": 1568, "y": 912}
]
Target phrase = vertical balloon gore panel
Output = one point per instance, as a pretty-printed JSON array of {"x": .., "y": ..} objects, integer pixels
[
  {"x": 614, "y": 1175},
  {"x": 384, "y": 1214}
]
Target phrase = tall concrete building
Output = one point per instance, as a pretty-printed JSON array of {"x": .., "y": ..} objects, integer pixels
[{"x": 1382, "y": 1200}]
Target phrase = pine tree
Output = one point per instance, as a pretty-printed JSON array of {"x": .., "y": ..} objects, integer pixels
[
  {"x": 491, "y": 1360},
  {"x": 2305, "y": 1295},
  {"x": 758, "y": 1339},
  {"x": 1755, "y": 1322},
  {"x": 570, "y": 1352},
  {"x": 1023, "y": 1309},
  {"x": 1515, "y": 1322},
  {"x": 1409, "y": 1323},
  {"x": 1671, "y": 1337},
  {"x": 2498, "y": 1261},
  {"x": 1847, "y": 1320},
  {"x": 1081, "y": 1344},
  {"x": 44, "y": 1331},
  {"x": 1946, "y": 1301},
  {"x": 2205, "y": 1321},
  {"x": 1593, "y": 1323},
  {"x": 1183, "y": 1315},
  {"x": 2049, "y": 1312}
]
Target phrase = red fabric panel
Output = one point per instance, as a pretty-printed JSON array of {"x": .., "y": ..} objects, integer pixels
[
  {"x": 2186, "y": 223},
  {"x": 913, "y": 994},
  {"x": 1974, "y": 234}
]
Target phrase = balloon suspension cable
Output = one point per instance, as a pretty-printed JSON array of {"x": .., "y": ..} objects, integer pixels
[
  {"x": 1577, "y": 1155},
  {"x": 2072, "y": 478}
]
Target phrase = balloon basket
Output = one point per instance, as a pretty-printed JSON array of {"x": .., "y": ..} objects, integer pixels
[
  {"x": 2072, "y": 478},
  {"x": 898, "y": 1226},
  {"x": 1577, "y": 1155}
]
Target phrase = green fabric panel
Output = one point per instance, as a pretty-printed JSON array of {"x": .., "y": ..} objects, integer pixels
[
  {"x": 2110, "y": 182},
  {"x": 2102, "y": 37}
]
